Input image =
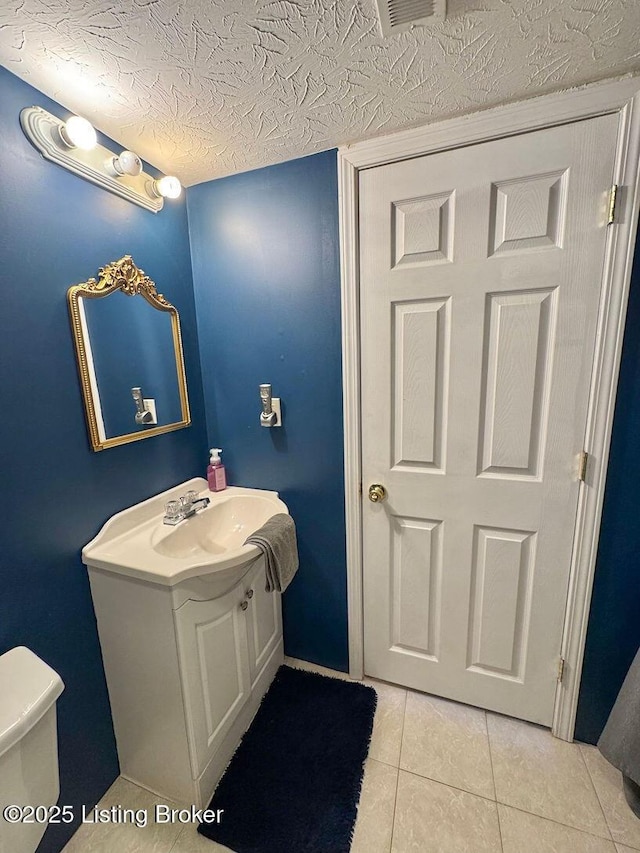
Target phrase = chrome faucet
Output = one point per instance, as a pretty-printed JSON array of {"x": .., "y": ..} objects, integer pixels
[{"x": 185, "y": 507}]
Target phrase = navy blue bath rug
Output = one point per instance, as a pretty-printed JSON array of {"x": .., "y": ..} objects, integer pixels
[{"x": 294, "y": 783}]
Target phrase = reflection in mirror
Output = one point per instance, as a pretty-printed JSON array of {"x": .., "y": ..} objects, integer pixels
[
  {"x": 130, "y": 357},
  {"x": 131, "y": 346}
]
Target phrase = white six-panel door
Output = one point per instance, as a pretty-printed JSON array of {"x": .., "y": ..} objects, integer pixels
[{"x": 481, "y": 273}]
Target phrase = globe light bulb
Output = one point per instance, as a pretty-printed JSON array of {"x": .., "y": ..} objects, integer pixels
[
  {"x": 127, "y": 163},
  {"x": 77, "y": 132},
  {"x": 169, "y": 187}
]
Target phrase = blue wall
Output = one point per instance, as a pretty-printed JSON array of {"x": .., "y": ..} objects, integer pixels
[
  {"x": 266, "y": 277},
  {"x": 56, "y": 230},
  {"x": 614, "y": 623}
]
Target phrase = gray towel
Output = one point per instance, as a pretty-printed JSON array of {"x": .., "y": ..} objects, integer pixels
[
  {"x": 620, "y": 740},
  {"x": 277, "y": 541}
]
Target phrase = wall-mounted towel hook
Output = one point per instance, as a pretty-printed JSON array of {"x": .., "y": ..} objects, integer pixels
[
  {"x": 271, "y": 414},
  {"x": 145, "y": 409}
]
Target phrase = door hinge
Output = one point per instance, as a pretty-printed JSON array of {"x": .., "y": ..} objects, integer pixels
[
  {"x": 613, "y": 197},
  {"x": 583, "y": 461},
  {"x": 560, "y": 670}
]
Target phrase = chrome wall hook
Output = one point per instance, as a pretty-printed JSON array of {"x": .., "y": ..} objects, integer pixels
[
  {"x": 145, "y": 409},
  {"x": 271, "y": 414}
]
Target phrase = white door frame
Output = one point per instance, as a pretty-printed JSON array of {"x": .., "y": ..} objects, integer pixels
[{"x": 622, "y": 97}]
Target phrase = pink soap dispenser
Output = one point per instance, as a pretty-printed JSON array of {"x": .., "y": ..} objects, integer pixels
[{"x": 216, "y": 475}]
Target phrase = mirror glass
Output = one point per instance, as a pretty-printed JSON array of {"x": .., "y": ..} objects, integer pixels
[{"x": 130, "y": 359}]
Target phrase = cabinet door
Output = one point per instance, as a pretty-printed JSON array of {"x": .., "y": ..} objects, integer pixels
[
  {"x": 264, "y": 620},
  {"x": 214, "y": 662}
]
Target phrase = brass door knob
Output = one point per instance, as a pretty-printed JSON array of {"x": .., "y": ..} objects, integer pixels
[{"x": 377, "y": 493}]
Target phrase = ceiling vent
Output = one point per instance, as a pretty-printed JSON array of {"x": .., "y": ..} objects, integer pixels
[{"x": 398, "y": 15}]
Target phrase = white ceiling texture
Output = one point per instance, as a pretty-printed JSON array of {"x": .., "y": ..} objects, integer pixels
[{"x": 204, "y": 88}]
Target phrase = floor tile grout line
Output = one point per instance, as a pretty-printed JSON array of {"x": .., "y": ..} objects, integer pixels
[
  {"x": 447, "y": 785},
  {"x": 595, "y": 791},
  {"x": 557, "y": 822},
  {"x": 499, "y": 802},
  {"x": 173, "y": 846},
  {"x": 404, "y": 719},
  {"x": 393, "y": 816},
  {"x": 386, "y": 763},
  {"x": 493, "y": 772},
  {"x": 395, "y": 802},
  {"x": 500, "y": 826},
  {"x": 493, "y": 779}
]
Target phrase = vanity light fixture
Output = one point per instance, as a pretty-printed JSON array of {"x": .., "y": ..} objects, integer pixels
[{"x": 73, "y": 145}]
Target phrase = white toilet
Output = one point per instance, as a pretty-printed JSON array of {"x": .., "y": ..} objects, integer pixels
[{"x": 28, "y": 744}]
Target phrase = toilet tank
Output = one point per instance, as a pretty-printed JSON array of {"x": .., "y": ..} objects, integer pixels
[{"x": 28, "y": 744}]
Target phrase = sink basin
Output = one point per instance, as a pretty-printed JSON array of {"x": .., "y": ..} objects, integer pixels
[
  {"x": 220, "y": 528},
  {"x": 208, "y": 546}
]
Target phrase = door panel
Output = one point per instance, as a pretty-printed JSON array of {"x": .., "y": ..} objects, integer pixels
[
  {"x": 420, "y": 350},
  {"x": 501, "y": 575},
  {"x": 416, "y": 578},
  {"x": 481, "y": 275},
  {"x": 518, "y": 346}
]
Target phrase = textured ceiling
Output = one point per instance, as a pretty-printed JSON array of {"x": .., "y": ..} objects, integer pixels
[{"x": 203, "y": 88}]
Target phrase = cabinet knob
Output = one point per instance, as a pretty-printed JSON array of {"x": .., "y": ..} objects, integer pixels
[
  {"x": 249, "y": 593},
  {"x": 244, "y": 604}
]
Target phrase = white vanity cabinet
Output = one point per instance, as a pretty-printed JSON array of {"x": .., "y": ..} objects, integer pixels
[
  {"x": 185, "y": 674},
  {"x": 224, "y": 646},
  {"x": 190, "y": 638}
]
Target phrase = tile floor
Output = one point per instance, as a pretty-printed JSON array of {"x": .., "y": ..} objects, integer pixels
[{"x": 440, "y": 778}]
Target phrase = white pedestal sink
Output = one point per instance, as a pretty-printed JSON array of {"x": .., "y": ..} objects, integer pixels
[{"x": 190, "y": 638}]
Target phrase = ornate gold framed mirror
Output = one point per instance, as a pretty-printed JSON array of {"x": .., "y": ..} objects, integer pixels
[{"x": 129, "y": 351}]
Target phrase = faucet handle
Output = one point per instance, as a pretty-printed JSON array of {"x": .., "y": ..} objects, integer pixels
[
  {"x": 190, "y": 497},
  {"x": 173, "y": 508}
]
